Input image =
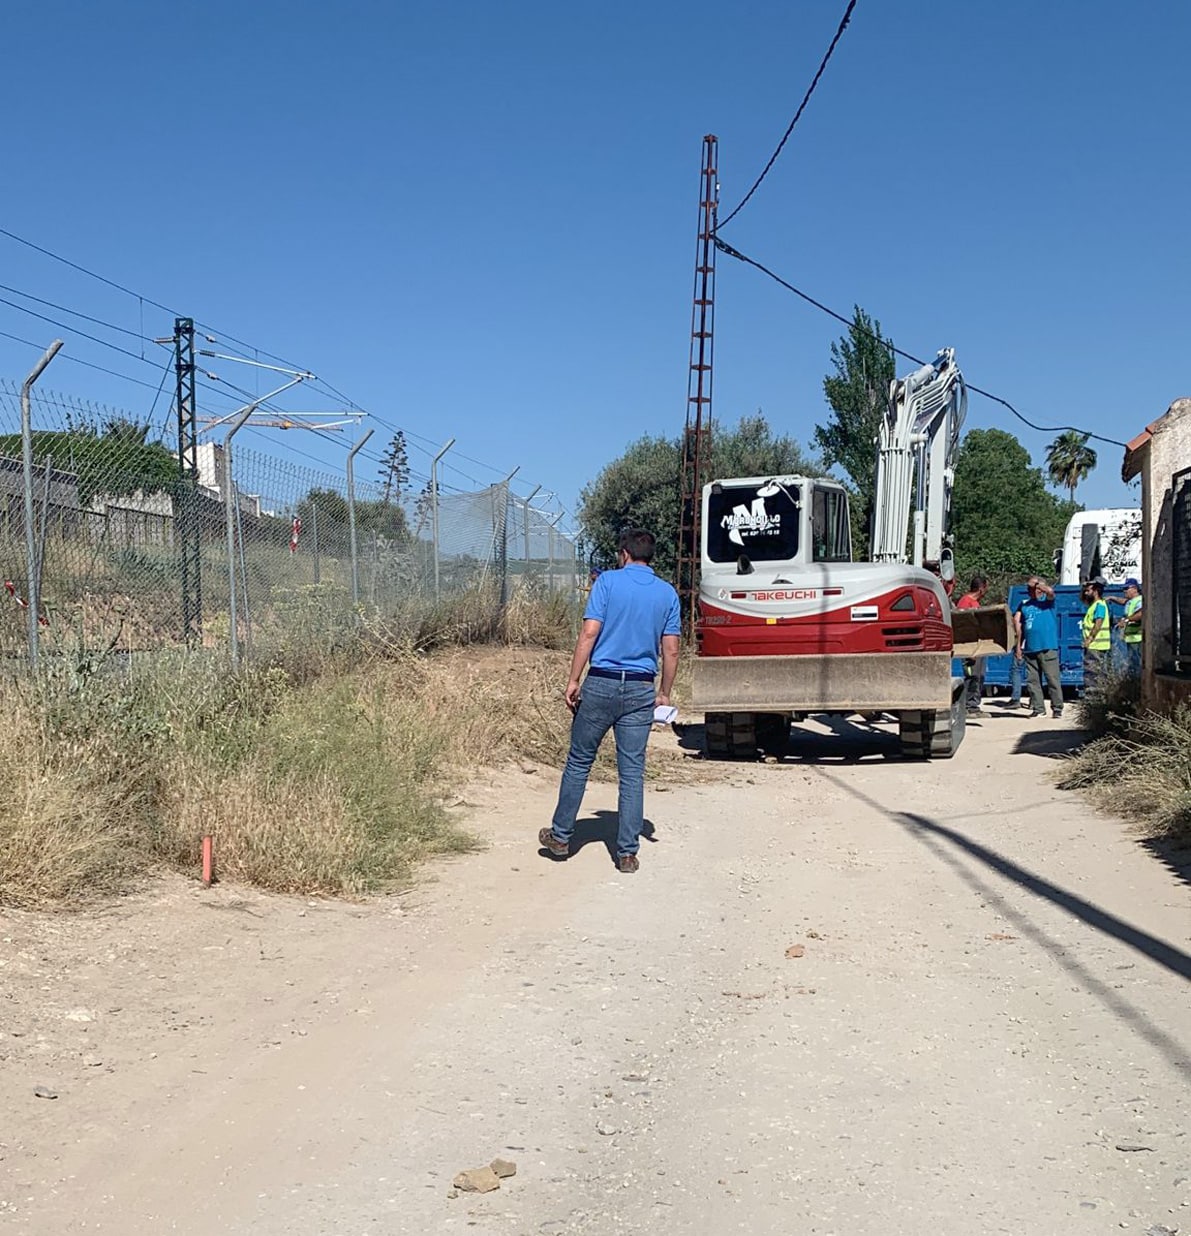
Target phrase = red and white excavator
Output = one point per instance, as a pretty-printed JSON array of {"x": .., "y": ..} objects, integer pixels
[{"x": 789, "y": 625}]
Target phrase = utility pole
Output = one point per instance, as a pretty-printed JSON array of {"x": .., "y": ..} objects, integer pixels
[
  {"x": 696, "y": 439},
  {"x": 186, "y": 521}
]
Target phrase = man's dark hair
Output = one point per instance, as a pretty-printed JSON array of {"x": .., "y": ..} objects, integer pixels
[
  {"x": 638, "y": 544},
  {"x": 1094, "y": 585},
  {"x": 977, "y": 582}
]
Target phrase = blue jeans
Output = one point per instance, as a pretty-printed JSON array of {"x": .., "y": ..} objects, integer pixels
[
  {"x": 1133, "y": 659},
  {"x": 626, "y": 708}
]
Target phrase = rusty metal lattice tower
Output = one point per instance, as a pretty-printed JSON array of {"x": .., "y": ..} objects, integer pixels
[{"x": 696, "y": 438}]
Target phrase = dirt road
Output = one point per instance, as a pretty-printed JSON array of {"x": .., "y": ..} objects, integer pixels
[{"x": 842, "y": 996}]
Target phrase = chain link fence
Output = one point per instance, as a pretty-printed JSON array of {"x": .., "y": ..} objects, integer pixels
[{"x": 105, "y": 545}]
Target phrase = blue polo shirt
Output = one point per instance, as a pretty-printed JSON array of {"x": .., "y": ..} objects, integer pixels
[
  {"x": 1039, "y": 624},
  {"x": 635, "y": 609}
]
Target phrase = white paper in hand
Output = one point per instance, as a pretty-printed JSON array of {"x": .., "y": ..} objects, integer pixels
[{"x": 664, "y": 714}]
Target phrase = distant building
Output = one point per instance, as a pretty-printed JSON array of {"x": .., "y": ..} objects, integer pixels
[{"x": 1161, "y": 456}]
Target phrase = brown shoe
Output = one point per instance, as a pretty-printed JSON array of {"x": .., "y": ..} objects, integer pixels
[
  {"x": 550, "y": 843},
  {"x": 628, "y": 863}
]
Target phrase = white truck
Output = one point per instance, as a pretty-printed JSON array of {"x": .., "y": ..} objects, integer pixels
[{"x": 1105, "y": 543}]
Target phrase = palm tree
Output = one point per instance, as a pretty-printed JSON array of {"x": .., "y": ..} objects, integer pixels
[{"x": 1069, "y": 459}]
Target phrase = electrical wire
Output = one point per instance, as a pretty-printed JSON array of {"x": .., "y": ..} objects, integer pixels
[
  {"x": 806, "y": 98},
  {"x": 124, "y": 377},
  {"x": 49, "y": 304},
  {"x": 73, "y": 330},
  {"x": 851, "y": 323},
  {"x": 207, "y": 329}
]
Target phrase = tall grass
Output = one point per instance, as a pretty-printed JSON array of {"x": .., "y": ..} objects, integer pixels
[
  {"x": 321, "y": 769},
  {"x": 1145, "y": 767}
]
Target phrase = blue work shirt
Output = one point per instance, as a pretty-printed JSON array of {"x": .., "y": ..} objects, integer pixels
[
  {"x": 1039, "y": 624},
  {"x": 635, "y": 609}
]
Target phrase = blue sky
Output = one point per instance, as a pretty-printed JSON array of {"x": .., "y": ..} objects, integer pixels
[{"x": 478, "y": 219}]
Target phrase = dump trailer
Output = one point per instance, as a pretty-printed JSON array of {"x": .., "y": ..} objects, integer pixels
[{"x": 789, "y": 625}]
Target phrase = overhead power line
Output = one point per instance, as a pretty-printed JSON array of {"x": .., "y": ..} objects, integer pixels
[
  {"x": 224, "y": 337},
  {"x": 74, "y": 330},
  {"x": 851, "y": 323},
  {"x": 806, "y": 98},
  {"x": 124, "y": 377},
  {"x": 74, "y": 313}
]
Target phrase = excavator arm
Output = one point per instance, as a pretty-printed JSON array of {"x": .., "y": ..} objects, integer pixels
[{"x": 916, "y": 450}]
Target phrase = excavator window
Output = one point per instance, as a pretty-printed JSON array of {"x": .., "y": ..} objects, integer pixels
[
  {"x": 760, "y": 522},
  {"x": 829, "y": 526}
]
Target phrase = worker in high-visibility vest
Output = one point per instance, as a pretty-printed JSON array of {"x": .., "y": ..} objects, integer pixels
[
  {"x": 1131, "y": 626},
  {"x": 1097, "y": 635}
]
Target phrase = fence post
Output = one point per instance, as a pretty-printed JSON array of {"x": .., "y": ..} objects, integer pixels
[
  {"x": 351, "y": 514},
  {"x": 434, "y": 509},
  {"x": 229, "y": 513},
  {"x": 314, "y": 529},
  {"x": 528, "y": 500},
  {"x": 504, "y": 537},
  {"x": 550, "y": 559},
  {"x": 33, "y": 586}
]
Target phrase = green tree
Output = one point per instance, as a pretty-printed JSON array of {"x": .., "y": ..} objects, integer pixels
[
  {"x": 423, "y": 515},
  {"x": 394, "y": 470},
  {"x": 115, "y": 459},
  {"x": 857, "y": 393},
  {"x": 641, "y": 486},
  {"x": 1069, "y": 459},
  {"x": 1004, "y": 519}
]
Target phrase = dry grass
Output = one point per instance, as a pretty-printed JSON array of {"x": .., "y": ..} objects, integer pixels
[
  {"x": 1111, "y": 707},
  {"x": 324, "y": 771},
  {"x": 1145, "y": 765}
]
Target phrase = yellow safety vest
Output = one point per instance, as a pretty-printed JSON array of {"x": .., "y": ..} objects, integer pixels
[
  {"x": 1102, "y": 640},
  {"x": 1133, "y": 632}
]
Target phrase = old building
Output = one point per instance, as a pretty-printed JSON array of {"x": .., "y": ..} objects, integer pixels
[{"x": 1161, "y": 456}]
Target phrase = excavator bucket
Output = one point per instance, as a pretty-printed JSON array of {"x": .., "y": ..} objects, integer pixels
[{"x": 983, "y": 632}]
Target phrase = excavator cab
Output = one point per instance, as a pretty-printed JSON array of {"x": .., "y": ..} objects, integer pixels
[{"x": 753, "y": 524}]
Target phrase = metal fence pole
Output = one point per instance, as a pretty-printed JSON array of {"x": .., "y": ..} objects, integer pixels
[
  {"x": 550, "y": 559},
  {"x": 434, "y": 509},
  {"x": 351, "y": 514},
  {"x": 504, "y": 537},
  {"x": 532, "y": 496},
  {"x": 31, "y": 564},
  {"x": 314, "y": 527},
  {"x": 244, "y": 581},
  {"x": 229, "y": 511}
]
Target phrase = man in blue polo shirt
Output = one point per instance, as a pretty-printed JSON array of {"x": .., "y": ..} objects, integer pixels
[
  {"x": 629, "y": 614},
  {"x": 1038, "y": 644}
]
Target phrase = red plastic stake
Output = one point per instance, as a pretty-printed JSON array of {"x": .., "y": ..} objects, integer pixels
[{"x": 208, "y": 860}]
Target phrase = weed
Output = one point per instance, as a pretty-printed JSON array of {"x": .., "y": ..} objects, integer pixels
[{"x": 1146, "y": 768}]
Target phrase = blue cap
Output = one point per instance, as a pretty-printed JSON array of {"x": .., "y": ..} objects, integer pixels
[{"x": 1133, "y": 583}]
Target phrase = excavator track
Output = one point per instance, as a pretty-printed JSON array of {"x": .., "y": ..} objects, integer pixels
[
  {"x": 933, "y": 734},
  {"x": 745, "y": 735}
]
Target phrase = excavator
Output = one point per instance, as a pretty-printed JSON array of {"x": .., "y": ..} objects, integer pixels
[{"x": 788, "y": 625}]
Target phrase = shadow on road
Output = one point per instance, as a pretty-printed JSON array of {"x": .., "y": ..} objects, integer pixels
[
  {"x": 1175, "y": 856},
  {"x": 1054, "y": 744},
  {"x": 600, "y": 826},
  {"x": 849, "y": 741},
  {"x": 943, "y": 842}
]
